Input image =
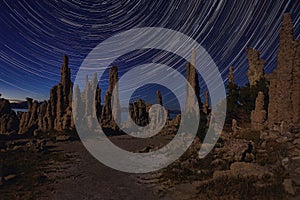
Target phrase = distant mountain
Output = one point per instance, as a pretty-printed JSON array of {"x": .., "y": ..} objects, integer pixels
[
  {"x": 18, "y": 104},
  {"x": 15, "y": 101}
]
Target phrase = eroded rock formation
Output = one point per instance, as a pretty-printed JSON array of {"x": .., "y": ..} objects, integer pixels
[
  {"x": 256, "y": 66},
  {"x": 192, "y": 78},
  {"x": 157, "y": 114},
  {"x": 111, "y": 101},
  {"x": 9, "y": 122},
  {"x": 56, "y": 113},
  {"x": 29, "y": 119},
  {"x": 159, "y": 98},
  {"x": 259, "y": 115},
  {"x": 97, "y": 99},
  {"x": 284, "y": 95},
  {"x": 77, "y": 104},
  {"x": 138, "y": 112},
  {"x": 62, "y": 108},
  {"x": 206, "y": 109},
  {"x": 231, "y": 75},
  {"x": 45, "y": 120},
  {"x": 87, "y": 105}
]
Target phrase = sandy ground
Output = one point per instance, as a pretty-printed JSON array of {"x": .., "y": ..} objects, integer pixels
[
  {"x": 71, "y": 172},
  {"x": 84, "y": 177}
]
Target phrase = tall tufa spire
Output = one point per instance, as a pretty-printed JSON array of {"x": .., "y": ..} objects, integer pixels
[
  {"x": 192, "y": 78},
  {"x": 231, "y": 75}
]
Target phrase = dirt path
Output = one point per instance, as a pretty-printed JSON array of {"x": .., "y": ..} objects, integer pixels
[{"x": 83, "y": 177}]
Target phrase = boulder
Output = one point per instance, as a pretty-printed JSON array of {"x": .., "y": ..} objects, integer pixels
[{"x": 288, "y": 186}]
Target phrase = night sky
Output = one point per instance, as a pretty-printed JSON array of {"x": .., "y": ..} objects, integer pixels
[{"x": 35, "y": 34}]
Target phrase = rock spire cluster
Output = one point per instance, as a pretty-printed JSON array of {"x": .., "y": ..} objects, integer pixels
[
  {"x": 57, "y": 114},
  {"x": 54, "y": 114}
]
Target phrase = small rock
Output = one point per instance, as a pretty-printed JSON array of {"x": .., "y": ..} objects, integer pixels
[
  {"x": 146, "y": 149},
  {"x": 36, "y": 132},
  {"x": 296, "y": 159},
  {"x": 269, "y": 136},
  {"x": 17, "y": 148},
  {"x": 282, "y": 140},
  {"x": 249, "y": 157},
  {"x": 294, "y": 152},
  {"x": 296, "y": 180},
  {"x": 297, "y": 141},
  {"x": 290, "y": 145},
  {"x": 219, "y": 164},
  {"x": 10, "y": 177},
  {"x": 244, "y": 170},
  {"x": 263, "y": 135},
  {"x": 297, "y": 170},
  {"x": 285, "y": 162},
  {"x": 62, "y": 138},
  {"x": 288, "y": 186}
]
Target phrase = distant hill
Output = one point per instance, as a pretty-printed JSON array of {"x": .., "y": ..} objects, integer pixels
[{"x": 18, "y": 104}]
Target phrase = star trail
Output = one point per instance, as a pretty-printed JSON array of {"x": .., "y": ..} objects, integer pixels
[{"x": 35, "y": 34}]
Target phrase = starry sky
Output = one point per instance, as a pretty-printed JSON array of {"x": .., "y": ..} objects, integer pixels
[{"x": 35, "y": 34}]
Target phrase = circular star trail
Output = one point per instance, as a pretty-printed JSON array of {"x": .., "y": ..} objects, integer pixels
[{"x": 34, "y": 35}]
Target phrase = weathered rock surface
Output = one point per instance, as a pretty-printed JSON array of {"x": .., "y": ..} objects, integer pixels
[
  {"x": 259, "y": 115},
  {"x": 288, "y": 186},
  {"x": 284, "y": 95},
  {"x": 192, "y": 78},
  {"x": 9, "y": 122},
  {"x": 56, "y": 113},
  {"x": 62, "y": 138},
  {"x": 231, "y": 75},
  {"x": 29, "y": 119},
  {"x": 62, "y": 110},
  {"x": 138, "y": 112},
  {"x": 111, "y": 101},
  {"x": 242, "y": 169},
  {"x": 33, "y": 145},
  {"x": 206, "y": 108},
  {"x": 156, "y": 114},
  {"x": 87, "y": 105},
  {"x": 45, "y": 120},
  {"x": 232, "y": 150},
  {"x": 77, "y": 105},
  {"x": 256, "y": 66},
  {"x": 159, "y": 98},
  {"x": 234, "y": 127}
]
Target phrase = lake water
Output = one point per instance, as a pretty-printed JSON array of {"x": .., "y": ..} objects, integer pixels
[{"x": 20, "y": 109}]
